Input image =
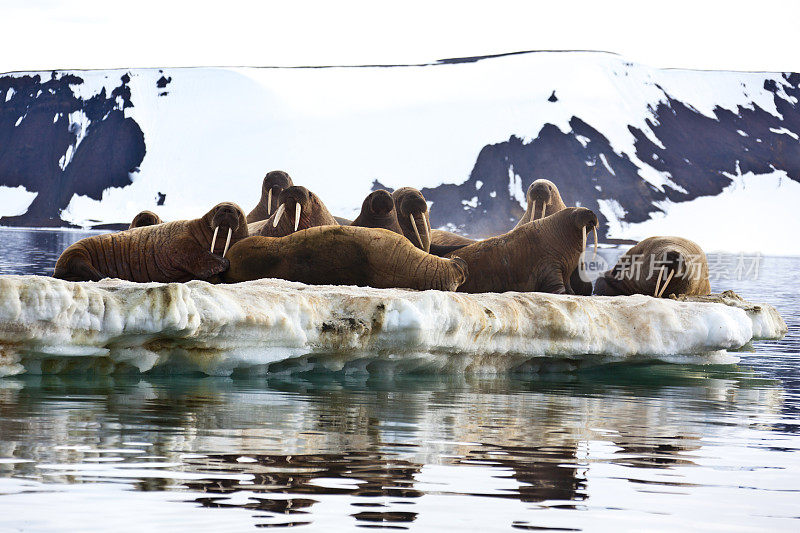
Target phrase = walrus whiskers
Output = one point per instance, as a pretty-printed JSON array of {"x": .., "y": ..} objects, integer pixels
[
  {"x": 214, "y": 239},
  {"x": 269, "y": 202},
  {"x": 416, "y": 231},
  {"x": 671, "y": 273},
  {"x": 297, "y": 209},
  {"x": 658, "y": 282},
  {"x": 278, "y": 215},
  {"x": 227, "y": 241}
]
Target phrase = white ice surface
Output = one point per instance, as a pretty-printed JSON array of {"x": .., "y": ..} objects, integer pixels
[
  {"x": 49, "y": 325},
  {"x": 218, "y": 130}
]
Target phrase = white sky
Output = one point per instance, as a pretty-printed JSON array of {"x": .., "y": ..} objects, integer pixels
[{"x": 705, "y": 34}]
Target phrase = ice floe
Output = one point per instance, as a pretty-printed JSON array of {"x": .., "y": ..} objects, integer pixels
[{"x": 50, "y": 326}]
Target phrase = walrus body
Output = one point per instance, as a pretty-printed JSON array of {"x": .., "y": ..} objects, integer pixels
[
  {"x": 145, "y": 218},
  {"x": 168, "y": 252},
  {"x": 412, "y": 215},
  {"x": 298, "y": 208},
  {"x": 448, "y": 238},
  {"x": 658, "y": 266},
  {"x": 378, "y": 211},
  {"x": 538, "y": 256},
  {"x": 344, "y": 255},
  {"x": 274, "y": 182},
  {"x": 543, "y": 200}
]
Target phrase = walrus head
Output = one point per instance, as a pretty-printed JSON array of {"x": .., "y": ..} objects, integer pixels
[
  {"x": 274, "y": 182},
  {"x": 298, "y": 208},
  {"x": 378, "y": 204},
  {"x": 145, "y": 218},
  {"x": 541, "y": 194},
  {"x": 231, "y": 219},
  {"x": 412, "y": 215}
]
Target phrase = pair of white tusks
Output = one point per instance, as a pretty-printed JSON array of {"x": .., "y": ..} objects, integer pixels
[
  {"x": 227, "y": 241},
  {"x": 544, "y": 206},
  {"x": 416, "y": 231},
  {"x": 657, "y": 293},
  {"x": 279, "y": 213}
]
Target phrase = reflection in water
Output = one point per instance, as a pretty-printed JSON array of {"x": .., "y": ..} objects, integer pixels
[
  {"x": 405, "y": 452},
  {"x": 27, "y": 251}
]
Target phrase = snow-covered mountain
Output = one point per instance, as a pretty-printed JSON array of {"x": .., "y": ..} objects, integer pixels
[{"x": 713, "y": 156}]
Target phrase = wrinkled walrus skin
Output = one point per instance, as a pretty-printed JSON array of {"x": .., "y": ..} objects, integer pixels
[
  {"x": 312, "y": 211},
  {"x": 377, "y": 211},
  {"x": 543, "y": 200},
  {"x": 274, "y": 182},
  {"x": 538, "y": 256},
  {"x": 145, "y": 218},
  {"x": 344, "y": 255},
  {"x": 637, "y": 271},
  {"x": 169, "y": 252}
]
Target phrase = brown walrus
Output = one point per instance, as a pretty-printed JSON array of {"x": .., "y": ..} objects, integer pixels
[
  {"x": 145, "y": 218},
  {"x": 377, "y": 211},
  {"x": 173, "y": 251},
  {"x": 660, "y": 267},
  {"x": 543, "y": 200},
  {"x": 344, "y": 255},
  {"x": 298, "y": 208},
  {"x": 274, "y": 182},
  {"x": 412, "y": 215},
  {"x": 538, "y": 256}
]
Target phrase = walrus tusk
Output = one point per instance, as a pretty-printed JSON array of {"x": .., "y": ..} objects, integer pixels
[
  {"x": 297, "y": 209},
  {"x": 214, "y": 239},
  {"x": 594, "y": 232},
  {"x": 671, "y": 273},
  {"x": 227, "y": 242},
  {"x": 582, "y": 258},
  {"x": 658, "y": 282},
  {"x": 416, "y": 231},
  {"x": 269, "y": 202},
  {"x": 533, "y": 217},
  {"x": 427, "y": 226},
  {"x": 544, "y": 206},
  {"x": 278, "y": 215}
]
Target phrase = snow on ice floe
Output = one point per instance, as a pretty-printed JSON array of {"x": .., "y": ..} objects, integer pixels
[{"x": 48, "y": 325}]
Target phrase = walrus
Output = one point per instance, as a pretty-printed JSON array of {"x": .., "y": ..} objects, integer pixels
[
  {"x": 543, "y": 200},
  {"x": 173, "y": 251},
  {"x": 537, "y": 256},
  {"x": 274, "y": 182},
  {"x": 298, "y": 208},
  {"x": 412, "y": 215},
  {"x": 145, "y": 218},
  {"x": 344, "y": 255},
  {"x": 448, "y": 238},
  {"x": 660, "y": 267},
  {"x": 377, "y": 211}
]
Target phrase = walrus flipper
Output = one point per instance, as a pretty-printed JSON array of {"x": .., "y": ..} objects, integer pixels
[
  {"x": 78, "y": 271},
  {"x": 554, "y": 284}
]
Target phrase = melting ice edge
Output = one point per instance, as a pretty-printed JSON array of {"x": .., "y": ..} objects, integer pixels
[{"x": 270, "y": 326}]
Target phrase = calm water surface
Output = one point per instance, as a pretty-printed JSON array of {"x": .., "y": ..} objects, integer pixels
[{"x": 647, "y": 447}]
